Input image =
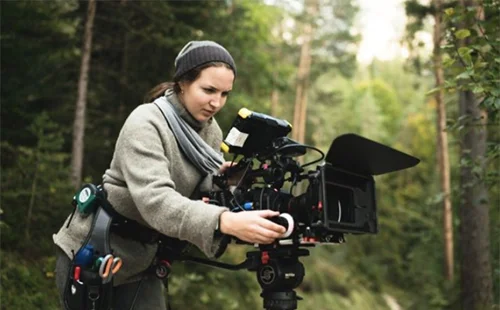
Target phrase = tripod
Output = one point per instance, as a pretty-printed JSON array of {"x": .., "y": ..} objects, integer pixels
[
  {"x": 278, "y": 271},
  {"x": 278, "y": 274}
]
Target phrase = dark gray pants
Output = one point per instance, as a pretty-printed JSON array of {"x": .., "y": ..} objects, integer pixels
[{"x": 149, "y": 297}]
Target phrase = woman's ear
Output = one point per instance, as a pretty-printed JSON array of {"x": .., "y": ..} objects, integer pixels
[{"x": 182, "y": 86}]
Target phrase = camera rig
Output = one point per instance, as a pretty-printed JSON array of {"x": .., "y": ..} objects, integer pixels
[{"x": 339, "y": 199}]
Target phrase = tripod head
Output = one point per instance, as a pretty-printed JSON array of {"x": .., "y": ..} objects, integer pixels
[
  {"x": 278, "y": 271},
  {"x": 278, "y": 274}
]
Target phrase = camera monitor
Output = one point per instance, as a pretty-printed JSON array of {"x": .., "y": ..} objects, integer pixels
[{"x": 253, "y": 133}]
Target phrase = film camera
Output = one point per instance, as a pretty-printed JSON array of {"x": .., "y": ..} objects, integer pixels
[{"x": 339, "y": 198}]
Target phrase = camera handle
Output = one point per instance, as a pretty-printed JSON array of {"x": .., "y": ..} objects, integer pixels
[{"x": 278, "y": 271}]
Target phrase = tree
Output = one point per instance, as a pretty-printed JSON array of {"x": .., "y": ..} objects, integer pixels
[
  {"x": 39, "y": 54},
  {"x": 49, "y": 141},
  {"x": 474, "y": 211},
  {"x": 300, "y": 110},
  {"x": 418, "y": 12},
  {"x": 327, "y": 44},
  {"x": 475, "y": 55},
  {"x": 442, "y": 143},
  {"x": 81, "y": 102}
]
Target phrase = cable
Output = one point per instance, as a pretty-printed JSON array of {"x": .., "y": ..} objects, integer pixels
[
  {"x": 234, "y": 159},
  {"x": 289, "y": 146},
  {"x": 238, "y": 206},
  {"x": 317, "y": 160},
  {"x": 137, "y": 292},
  {"x": 294, "y": 183},
  {"x": 340, "y": 212},
  {"x": 260, "y": 197},
  {"x": 250, "y": 162},
  {"x": 245, "y": 172}
]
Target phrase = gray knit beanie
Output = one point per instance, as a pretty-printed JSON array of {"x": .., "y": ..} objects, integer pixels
[{"x": 197, "y": 53}]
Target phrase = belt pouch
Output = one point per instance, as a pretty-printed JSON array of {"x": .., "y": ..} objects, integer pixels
[{"x": 88, "y": 292}]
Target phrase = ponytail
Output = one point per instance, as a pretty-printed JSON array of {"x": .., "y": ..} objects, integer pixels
[{"x": 158, "y": 91}]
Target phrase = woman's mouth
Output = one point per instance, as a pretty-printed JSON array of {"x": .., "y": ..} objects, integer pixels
[{"x": 208, "y": 112}]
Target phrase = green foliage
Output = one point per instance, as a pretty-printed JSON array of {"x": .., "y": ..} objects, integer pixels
[
  {"x": 417, "y": 14},
  {"x": 39, "y": 58},
  {"x": 335, "y": 47},
  {"x": 389, "y": 105},
  {"x": 373, "y": 103},
  {"x": 473, "y": 46},
  {"x": 34, "y": 180},
  {"x": 384, "y": 97},
  {"x": 219, "y": 289},
  {"x": 27, "y": 282}
]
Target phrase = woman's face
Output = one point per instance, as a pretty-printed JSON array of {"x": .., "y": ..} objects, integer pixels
[{"x": 206, "y": 95}]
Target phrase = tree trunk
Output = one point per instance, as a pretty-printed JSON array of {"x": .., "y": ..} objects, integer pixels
[
  {"x": 34, "y": 184},
  {"x": 81, "y": 102},
  {"x": 124, "y": 70},
  {"x": 474, "y": 211},
  {"x": 476, "y": 280},
  {"x": 442, "y": 145},
  {"x": 275, "y": 92},
  {"x": 300, "y": 110},
  {"x": 275, "y": 98},
  {"x": 299, "y": 92}
]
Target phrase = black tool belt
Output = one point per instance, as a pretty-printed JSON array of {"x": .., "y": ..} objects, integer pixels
[
  {"x": 89, "y": 284},
  {"x": 91, "y": 197},
  {"x": 130, "y": 229}
]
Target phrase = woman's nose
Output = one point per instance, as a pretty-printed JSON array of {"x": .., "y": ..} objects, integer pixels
[{"x": 215, "y": 101}]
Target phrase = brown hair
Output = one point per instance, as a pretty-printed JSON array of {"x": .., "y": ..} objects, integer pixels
[{"x": 188, "y": 77}]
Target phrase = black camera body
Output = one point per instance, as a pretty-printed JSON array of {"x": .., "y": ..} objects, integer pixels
[{"x": 340, "y": 195}]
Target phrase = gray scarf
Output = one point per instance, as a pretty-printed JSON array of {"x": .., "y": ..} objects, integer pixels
[{"x": 201, "y": 155}]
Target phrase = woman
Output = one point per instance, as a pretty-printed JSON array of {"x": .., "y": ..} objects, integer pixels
[{"x": 151, "y": 179}]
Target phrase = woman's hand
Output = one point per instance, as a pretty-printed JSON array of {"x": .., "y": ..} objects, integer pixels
[
  {"x": 235, "y": 177},
  {"x": 251, "y": 226},
  {"x": 225, "y": 166}
]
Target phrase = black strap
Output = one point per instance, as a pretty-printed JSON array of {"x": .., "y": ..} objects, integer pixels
[
  {"x": 99, "y": 234},
  {"x": 131, "y": 229},
  {"x": 128, "y": 228}
]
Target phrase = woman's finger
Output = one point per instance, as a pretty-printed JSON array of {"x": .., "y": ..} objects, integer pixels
[
  {"x": 273, "y": 227},
  {"x": 267, "y": 213},
  {"x": 225, "y": 165}
]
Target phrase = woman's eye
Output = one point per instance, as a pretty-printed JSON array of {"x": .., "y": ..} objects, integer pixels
[{"x": 209, "y": 90}]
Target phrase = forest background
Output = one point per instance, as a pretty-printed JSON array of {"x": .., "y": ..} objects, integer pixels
[{"x": 438, "y": 245}]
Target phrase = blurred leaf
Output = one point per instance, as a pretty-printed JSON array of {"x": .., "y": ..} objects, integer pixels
[
  {"x": 462, "y": 33},
  {"x": 449, "y": 11}
]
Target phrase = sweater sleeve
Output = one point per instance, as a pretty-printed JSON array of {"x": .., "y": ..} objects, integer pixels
[{"x": 146, "y": 170}]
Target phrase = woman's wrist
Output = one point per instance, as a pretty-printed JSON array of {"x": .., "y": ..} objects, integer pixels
[{"x": 222, "y": 225}]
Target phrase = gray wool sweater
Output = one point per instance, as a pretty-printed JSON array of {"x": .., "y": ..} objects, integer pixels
[{"x": 149, "y": 181}]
